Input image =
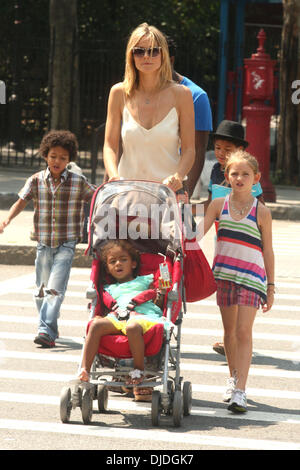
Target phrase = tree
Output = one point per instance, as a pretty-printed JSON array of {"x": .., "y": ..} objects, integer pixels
[
  {"x": 64, "y": 66},
  {"x": 288, "y": 150}
]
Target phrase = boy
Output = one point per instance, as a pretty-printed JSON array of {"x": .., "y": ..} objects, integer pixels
[{"x": 58, "y": 196}]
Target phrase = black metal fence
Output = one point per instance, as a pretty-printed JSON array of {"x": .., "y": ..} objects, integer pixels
[{"x": 26, "y": 115}]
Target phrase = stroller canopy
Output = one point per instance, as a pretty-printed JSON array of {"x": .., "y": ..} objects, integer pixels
[{"x": 144, "y": 212}]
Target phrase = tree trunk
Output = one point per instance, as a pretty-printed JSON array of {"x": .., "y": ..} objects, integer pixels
[
  {"x": 287, "y": 163},
  {"x": 64, "y": 66}
]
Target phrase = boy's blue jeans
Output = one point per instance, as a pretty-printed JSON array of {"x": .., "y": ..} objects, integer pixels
[{"x": 52, "y": 266}]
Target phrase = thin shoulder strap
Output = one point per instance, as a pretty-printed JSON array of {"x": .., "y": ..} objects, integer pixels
[{"x": 225, "y": 206}]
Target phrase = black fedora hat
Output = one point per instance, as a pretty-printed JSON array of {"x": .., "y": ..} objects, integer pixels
[{"x": 231, "y": 130}]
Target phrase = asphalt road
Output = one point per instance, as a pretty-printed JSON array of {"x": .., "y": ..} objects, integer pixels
[{"x": 31, "y": 378}]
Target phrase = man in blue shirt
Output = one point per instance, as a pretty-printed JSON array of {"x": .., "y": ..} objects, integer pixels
[{"x": 203, "y": 120}]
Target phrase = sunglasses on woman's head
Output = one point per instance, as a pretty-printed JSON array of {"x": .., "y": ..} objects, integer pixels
[{"x": 150, "y": 51}]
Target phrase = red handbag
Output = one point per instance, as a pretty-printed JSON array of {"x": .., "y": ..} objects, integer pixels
[{"x": 199, "y": 281}]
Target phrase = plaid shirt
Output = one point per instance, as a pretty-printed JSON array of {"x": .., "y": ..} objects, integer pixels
[{"x": 58, "y": 211}]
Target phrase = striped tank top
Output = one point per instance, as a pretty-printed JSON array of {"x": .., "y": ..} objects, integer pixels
[{"x": 239, "y": 256}]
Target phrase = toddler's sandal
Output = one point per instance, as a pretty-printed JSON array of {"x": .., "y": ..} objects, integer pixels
[
  {"x": 135, "y": 377},
  {"x": 143, "y": 393}
]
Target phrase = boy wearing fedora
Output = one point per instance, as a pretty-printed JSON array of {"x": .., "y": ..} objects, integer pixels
[{"x": 228, "y": 138}]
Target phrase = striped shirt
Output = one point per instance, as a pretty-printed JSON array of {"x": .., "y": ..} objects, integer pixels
[
  {"x": 239, "y": 256},
  {"x": 58, "y": 211}
]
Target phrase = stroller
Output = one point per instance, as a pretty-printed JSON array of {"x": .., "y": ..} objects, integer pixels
[{"x": 148, "y": 214}]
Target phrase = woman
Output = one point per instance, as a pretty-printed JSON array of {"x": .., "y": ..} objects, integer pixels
[{"x": 153, "y": 115}]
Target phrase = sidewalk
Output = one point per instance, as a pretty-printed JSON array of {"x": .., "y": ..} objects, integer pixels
[{"x": 17, "y": 248}]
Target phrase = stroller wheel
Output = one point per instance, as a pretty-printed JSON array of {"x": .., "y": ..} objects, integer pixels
[
  {"x": 65, "y": 405},
  {"x": 102, "y": 397},
  {"x": 87, "y": 405},
  {"x": 170, "y": 385},
  {"x": 187, "y": 398},
  {"x": 156, "y": 407},
  {"x": 177, "y": 408}
]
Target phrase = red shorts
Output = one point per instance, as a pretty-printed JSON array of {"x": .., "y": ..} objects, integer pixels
[{"x": 230, "y": 293}]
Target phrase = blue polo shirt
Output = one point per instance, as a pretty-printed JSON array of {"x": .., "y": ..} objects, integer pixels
[{"x": 203, "y": 116}]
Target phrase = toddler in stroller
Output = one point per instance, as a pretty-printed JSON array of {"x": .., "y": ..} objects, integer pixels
[
  {"x": 132, "y": 314},
  {"x": 130, "y": 320}
]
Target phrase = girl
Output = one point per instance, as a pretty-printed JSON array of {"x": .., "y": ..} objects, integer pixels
[
  {"x": 157, "y": 116},
  {"x": 243, "y": 267},
  {"x": 121, "y": 262}
]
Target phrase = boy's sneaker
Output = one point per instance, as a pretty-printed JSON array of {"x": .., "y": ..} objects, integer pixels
[
  {"x": 231, "y": 383},
  {"x": 44, "y": 340},
  {"x": 238, "y": 402}
]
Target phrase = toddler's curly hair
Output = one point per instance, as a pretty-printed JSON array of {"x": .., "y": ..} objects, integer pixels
[
  {"x": 59, "y": 138},
  {"x": 126, "y": 246}
]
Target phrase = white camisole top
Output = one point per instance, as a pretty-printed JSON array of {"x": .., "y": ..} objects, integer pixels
[{"x": 149, "y": 154}]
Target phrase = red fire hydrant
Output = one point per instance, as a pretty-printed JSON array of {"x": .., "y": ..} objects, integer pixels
[{"x": 259, "y": 79}]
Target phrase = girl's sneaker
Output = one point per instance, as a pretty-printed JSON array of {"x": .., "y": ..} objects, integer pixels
[
  {"x": 238, "y": 402},
  {"x": 231, "y": 383}
]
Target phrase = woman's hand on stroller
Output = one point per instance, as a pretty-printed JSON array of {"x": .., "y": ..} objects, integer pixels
[{"x": 174, "y": 182}]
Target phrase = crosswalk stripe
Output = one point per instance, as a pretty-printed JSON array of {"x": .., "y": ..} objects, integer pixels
[
  {"x": 275, "y": 307},
  {"x": 126, "y": 405},
  {"x": 215, "y": 369},
  {"x": 258, "y": 320},
  {"x": 81, "y": 295},
  {"x": 196, "y": 439},
  {"x": 294, "y": 356},
  {"x": 283, "y": 355},
  {"x": 83, "y": 308},
  {"x": 10, "y": 318},
  {"x": 30, "y": 336},
  {"x": 185, "y": 348},
  {"x": 30, "y": 304},
  {"x": 256, "y": 335},
  {"x": 66, "y": 378},
  {"x": 192, "y": 331},
  {"x": 10, "y": 285}
]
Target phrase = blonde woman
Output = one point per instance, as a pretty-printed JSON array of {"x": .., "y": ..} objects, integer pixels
[{"x": 153, "y": 115}]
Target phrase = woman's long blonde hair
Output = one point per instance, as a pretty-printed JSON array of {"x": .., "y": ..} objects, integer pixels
[{"x": 131, "y": 77}]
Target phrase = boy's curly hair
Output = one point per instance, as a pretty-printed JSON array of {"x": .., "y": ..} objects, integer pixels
[{"x": 56, "y": 138}]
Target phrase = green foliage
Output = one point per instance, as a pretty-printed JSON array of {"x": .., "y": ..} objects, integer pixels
[
  {"x": 193, "y": 24},
  {"x": 104, "y": 27}
]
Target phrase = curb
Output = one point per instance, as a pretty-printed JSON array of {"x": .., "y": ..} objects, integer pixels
[
  {"x": 8, "y": 199},
  {"x": 284, "y": 212}
]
